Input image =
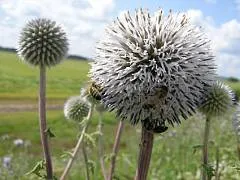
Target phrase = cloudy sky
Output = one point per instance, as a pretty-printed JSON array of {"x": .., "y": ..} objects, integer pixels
[{"x": 84, "y": 22}]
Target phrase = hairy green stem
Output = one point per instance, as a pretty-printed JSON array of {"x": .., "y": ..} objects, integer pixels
[
  {"x": 145, "y": 153},
  {"x": 43, "y": 122},
  {"x": 115, "y": 149},
  {"x": 100, "y": 146},
  {"x": 205, "y": 149},
  {"x": 85, "y": 156},
  {"x": 77, "y": 147},
  {"x": 217, "y": 177}
]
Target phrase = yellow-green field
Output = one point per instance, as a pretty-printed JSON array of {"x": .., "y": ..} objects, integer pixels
[{"x": 174, "y": 156}]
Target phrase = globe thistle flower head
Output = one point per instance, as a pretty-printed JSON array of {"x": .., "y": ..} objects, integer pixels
[
  {"x": 42, "y": 43},
  {"x": 153, "y": 68},
  {"x": 236, "y": 121},
  {"x": 217, "y": 100},
  {"x": 76, "y": 108}
]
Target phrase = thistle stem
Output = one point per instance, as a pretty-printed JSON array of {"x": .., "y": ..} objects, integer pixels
[
  {"x": 43, "y": 123},
  {"x": 85, "y": 156},
  {"x": 217, "y": 177},
  {"x": 77, "y": 147},
  {"x": 100, "y": 146},
  {"x": 145, "y": 153},
  {"x": 205, "y": 148},
  {"x": 115, "y": 149}
]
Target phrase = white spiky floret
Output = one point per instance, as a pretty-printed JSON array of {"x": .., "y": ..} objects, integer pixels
[
  {"x": 42, "y": 42},
  {"x": 217, "y": 100},
  {"x": 76, "y": 108},
  {"x": 153, "y": 69}
]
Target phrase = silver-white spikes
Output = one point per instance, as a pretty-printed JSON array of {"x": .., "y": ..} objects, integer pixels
[{"x": 153, "y": 68}]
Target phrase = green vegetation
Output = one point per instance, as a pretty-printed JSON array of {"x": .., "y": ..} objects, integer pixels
[
  {"x": 19, "y": 82},
  {"x": 176, "y": 153}
]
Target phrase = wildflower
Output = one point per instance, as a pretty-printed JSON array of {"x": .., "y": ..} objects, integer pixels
[
  {"x": 18, "y": 142},
  {"x": 42, "y": 42},
  {"x": 76, "y": 108},
  {"x": 153, "y": 69},
  {"x": 7, "y": 162},
  {"x": 217, "y": 100}
]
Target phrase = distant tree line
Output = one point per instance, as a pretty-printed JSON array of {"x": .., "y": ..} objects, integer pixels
[{"x": 74, "y": 57}]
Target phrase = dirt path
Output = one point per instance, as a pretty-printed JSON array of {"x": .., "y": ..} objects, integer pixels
[{"x": 26, "y": 107}]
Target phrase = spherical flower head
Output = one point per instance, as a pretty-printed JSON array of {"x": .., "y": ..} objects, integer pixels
[
  {"x": 236, "y": 121},
  {"x": 42, "y": 43},
  {"x": 76, "y": 108},
  {"x": 153, "y": 68},
  {"x": 217, "y": 100}
]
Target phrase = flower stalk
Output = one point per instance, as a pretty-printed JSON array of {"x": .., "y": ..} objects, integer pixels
[
  {"x": 43, "y": 122},
  {"x": 115, "y": 149},
  {"x": 145, "y": 153},
  {"x": 205, "y": 148},
  {"x": 100, "y": 147},
  {"x": 85, "y": 156}
]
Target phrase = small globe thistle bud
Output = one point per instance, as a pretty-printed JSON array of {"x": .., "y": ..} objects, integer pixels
[
  {"x": 236, "y": 121},
  {"x": 153, "y": 68},
  {"x": 76, "y": 108},
  {"x": 217, "y": 100},
  {"x": 42, "y": 43}
]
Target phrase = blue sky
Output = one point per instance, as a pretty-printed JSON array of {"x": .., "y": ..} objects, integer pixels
[
  {"x": 220, "y": 10},
  {"x": 85, "y": 20}
]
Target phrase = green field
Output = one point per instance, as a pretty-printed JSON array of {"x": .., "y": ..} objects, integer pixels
[
  {"x": 19, "y": 81},
  {"x": 174, "y": 156}
]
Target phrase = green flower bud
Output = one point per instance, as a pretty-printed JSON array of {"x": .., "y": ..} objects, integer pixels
[
  {"x": 217, "y": 100},
  {"x": 76, "y": 108},
  {"x": 42, "y": 43}
]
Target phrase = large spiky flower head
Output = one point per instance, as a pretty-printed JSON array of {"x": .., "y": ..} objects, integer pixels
[
  {"x": 217, "y": 100},
  {"x": 76, "y": 108},
  {"x": 153, "y": 68},
  {"x": 42, "y": 43}
]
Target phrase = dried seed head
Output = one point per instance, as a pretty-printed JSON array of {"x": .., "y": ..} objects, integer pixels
[
  {"x": 42, "y": 43},
  {"x": 76, "y": 108},
  {"x": 153, "y": 69},
  {"x": 217, "y": 100}
]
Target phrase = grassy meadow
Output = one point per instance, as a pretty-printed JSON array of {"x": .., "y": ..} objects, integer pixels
[{"x": 176, "y": 154}]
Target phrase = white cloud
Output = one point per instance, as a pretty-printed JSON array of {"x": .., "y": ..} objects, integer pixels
[
  {"x": 225, "y": 42},
  {"x": 83, "y": 20}
]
